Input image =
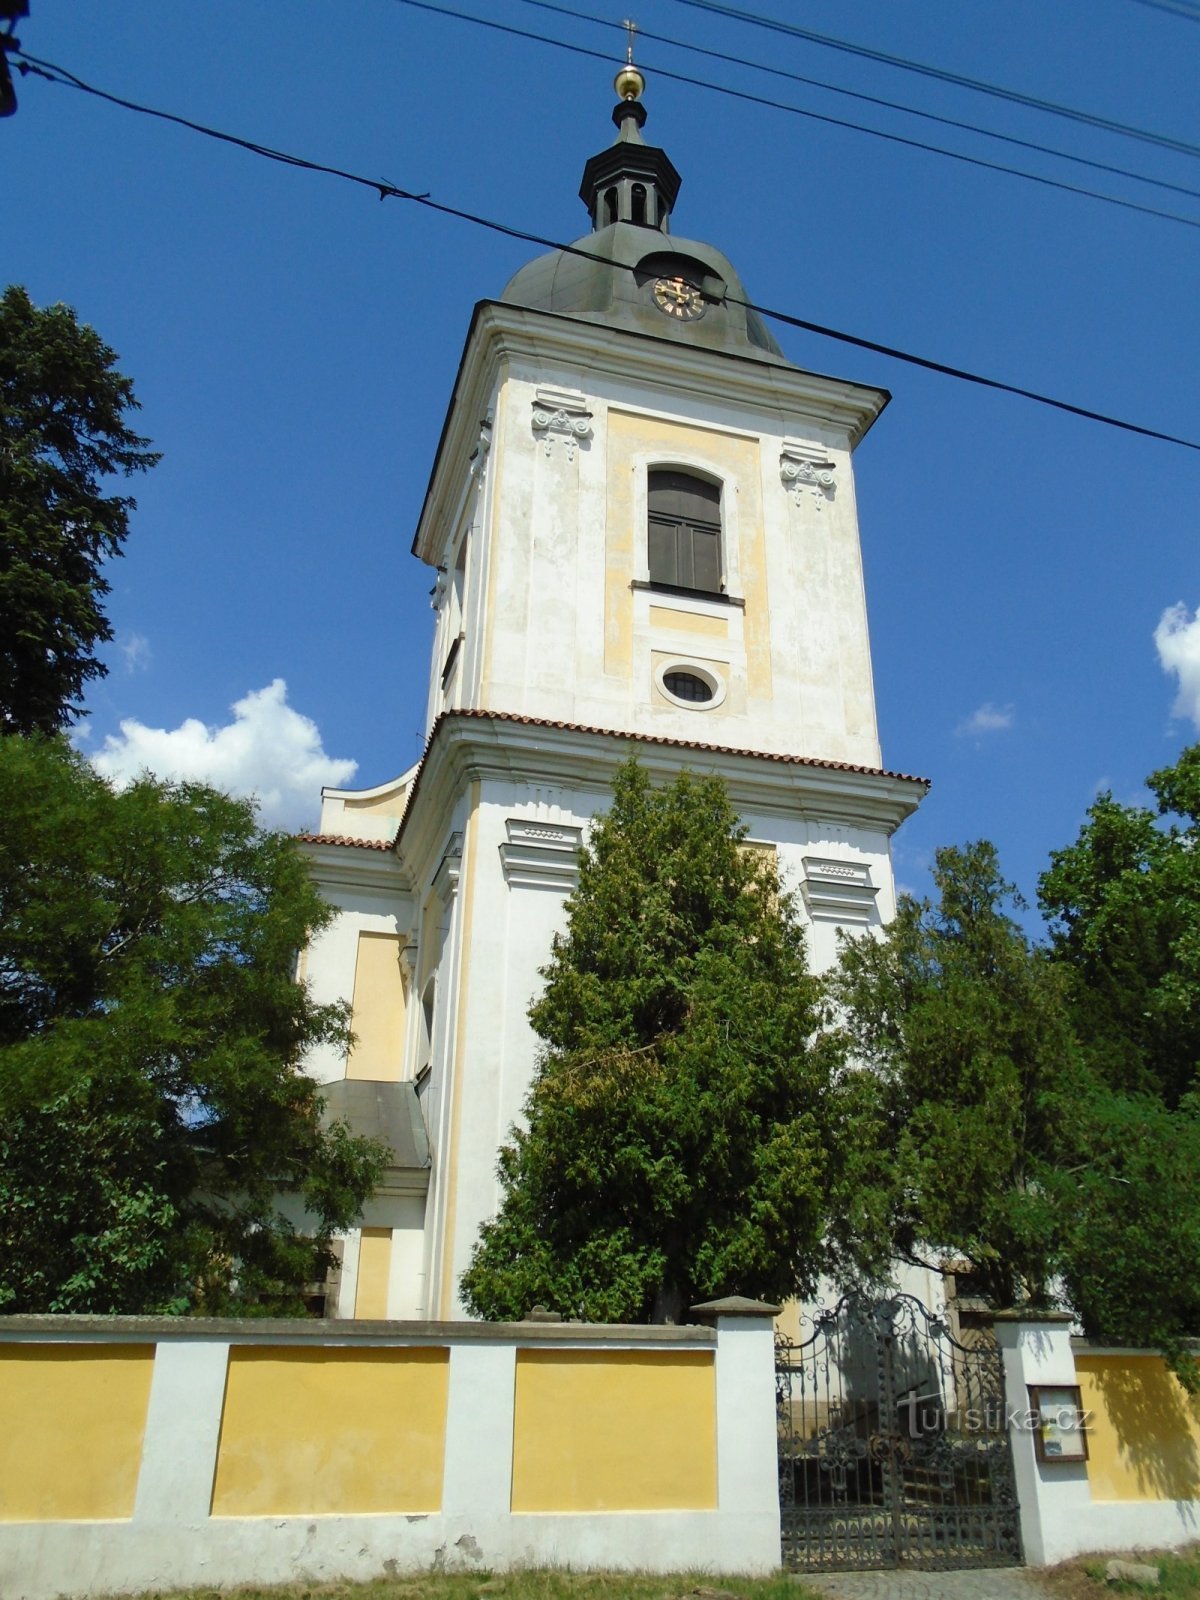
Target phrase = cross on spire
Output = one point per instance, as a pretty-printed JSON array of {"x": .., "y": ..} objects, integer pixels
[{"x": 631, "y": 28}]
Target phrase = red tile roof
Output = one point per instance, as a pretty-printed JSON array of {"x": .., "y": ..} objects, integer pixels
[
  {"x": 677, "y": 744},
  {"x": 344, "y": 838},
  {"x": 609, "y": 733}
]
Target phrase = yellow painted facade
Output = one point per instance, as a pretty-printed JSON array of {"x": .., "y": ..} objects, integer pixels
[
  {"x": 315, "y": 1432},
  {"x": 1143, "y": 1429},
  {"x": 688, "y": 622},
  {"x": 389, "y": 804},
  {"x": 374, "y": 1268},
  {"x": 615, "y": 1430},
  {"x": 633, "y": 442},
  {"x": 72, "y": 1420},
  {"x": 378, "y": 1009}
]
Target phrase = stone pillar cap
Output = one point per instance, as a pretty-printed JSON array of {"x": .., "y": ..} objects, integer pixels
[
  {"x": 1031, "y": 1314},
  {"x": 733, "y": 1305}
]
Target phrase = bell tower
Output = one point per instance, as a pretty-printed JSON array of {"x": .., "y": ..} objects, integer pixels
[{"x": 642, "y": 524}]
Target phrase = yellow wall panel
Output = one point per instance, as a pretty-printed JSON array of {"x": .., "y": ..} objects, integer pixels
[
  {"x": 377, "y": 1010},
  {"x": 737, "y": 461},
  {"x": 72, "y": 1419},
  {"x": 1143, "y": 1431},
  {"x": 390, "y": 804},
  {"x": 615, "y": 1430},
  {"x": 688, "y": 622},
  {"x": 374, "y": 1265},
  {"x": 310, "y": 1432}
]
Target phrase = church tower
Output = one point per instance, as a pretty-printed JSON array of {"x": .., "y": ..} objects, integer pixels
[{"x": 642, "y": 522}]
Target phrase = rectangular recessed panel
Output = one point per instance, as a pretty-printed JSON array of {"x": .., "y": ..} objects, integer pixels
[
  {"x": 1143, "y": 1429},
  {"x": 72, "y": 1420},
  {"x": 377, "y": 1009},
  {"x": 374, "y": 1268},
  {"x": 615, "y": 1430},
  {"x": 306, "y": 1432},
  {"x": 688, "y": 622}
]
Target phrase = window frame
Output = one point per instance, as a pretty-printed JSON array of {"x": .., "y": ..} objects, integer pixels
[
  {"x": 681, "y": 522},
  {"x": 703, "y": 670}
]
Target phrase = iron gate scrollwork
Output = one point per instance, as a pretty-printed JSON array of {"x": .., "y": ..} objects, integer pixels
[{"x": 893, "y": 1443}]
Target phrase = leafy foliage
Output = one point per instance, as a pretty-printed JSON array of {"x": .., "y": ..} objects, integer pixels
[
  {"x": 1124, "y": 909},
  {"x": 677, "y": 1138},
  {"x": 1036, "y": 1110},
  {"x": 964, "y": 1031},
  {"x": 63, "y": 406},
  {"x": 152, "y": 1111}
]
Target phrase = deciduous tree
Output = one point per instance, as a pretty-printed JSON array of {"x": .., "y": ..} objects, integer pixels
[
  {"x": 158, "y": 1140},
  {"x": 962, "y": 1034}
]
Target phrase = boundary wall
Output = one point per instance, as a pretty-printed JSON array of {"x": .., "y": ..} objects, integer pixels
[
  {"x": 1140, "y": 1485},
  {"x": 140, "y": 1453}
]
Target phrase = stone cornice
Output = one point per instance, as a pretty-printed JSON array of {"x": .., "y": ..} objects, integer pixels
[
  {"x": 488, "y": 745},
  {"x": 349, "y": 867},
  {"x": 500, "y": 332}
]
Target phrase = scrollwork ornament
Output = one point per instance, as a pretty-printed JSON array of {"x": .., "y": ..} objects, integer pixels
[
  {"x": 563, "y": 425},
  {"x": 815, "y": 478}
]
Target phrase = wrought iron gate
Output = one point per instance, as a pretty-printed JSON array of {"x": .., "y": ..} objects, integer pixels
[{"x": 893, "y": 1443}]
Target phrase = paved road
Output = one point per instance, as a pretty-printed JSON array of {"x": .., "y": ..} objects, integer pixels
[{"x": 995, "y": 1583}]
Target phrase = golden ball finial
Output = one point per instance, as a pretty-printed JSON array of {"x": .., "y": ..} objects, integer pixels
[{"x": 629, "y": 83}]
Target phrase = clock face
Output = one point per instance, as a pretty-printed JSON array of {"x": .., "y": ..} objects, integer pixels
[{"x": 676, "y": 297}]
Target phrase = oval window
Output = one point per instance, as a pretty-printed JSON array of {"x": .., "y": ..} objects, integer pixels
[{"x": 687, "y": 686}]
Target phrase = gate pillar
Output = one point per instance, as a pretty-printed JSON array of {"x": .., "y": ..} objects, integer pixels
[
  {"x": 1036, "y": 1346},
  {"x": 747, "y": 1474}
]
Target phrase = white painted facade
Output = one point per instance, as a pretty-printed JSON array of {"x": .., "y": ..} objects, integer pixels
[{"x": 549, "y": 657}]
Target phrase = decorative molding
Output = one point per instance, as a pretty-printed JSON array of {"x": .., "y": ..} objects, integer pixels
[
  {"x": 445, "y": 879},
  {"x": 805, "y": 469},
  {"x": 822, "y": 830},
  {"x": 561, "y": 413},
  {"x": 838, "y": 891},
  {"x": 479, "y": 456},
  {"x": 441, "y": 588},
  {"x": 541, "y": 855}
]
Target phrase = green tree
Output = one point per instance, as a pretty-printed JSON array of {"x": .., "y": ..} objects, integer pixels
[
  {"x": 1034, "y": 1109},
  {"x": 676, "y": 1140},
  {"x": 1123, "y": 903},
  {"x": 962, "y": 1033},
  {"x": 63, "y": 431},
  {"x": 153, "y": 1116}
]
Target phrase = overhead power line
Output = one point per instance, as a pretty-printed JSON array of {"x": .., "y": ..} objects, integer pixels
[
  {"x": 1175, "y": 8},
  {"x": 867, "y": 99},
  {"x": 53, "y": 73},
  {"x": 998, "y": 91},
  {"x": 813, "y": 116}
]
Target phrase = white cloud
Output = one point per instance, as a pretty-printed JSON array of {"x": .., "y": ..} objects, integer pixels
[
  {"x": 134, "y": 649},
  {"x": 269, "y": 751},
  {"x": 988, "y": 719},
  {"x": 1177, "y": 640}
]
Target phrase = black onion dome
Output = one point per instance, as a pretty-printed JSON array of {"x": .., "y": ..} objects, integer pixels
[{"x": 629, "y": 190}]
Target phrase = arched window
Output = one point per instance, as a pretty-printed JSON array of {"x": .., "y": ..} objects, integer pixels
[
  {"x": 684, "y": 532},
  {"x": 610, "y": 207},
  {"x": 637, "y": 202}
]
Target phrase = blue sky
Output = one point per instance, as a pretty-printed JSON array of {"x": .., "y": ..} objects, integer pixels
[{"x": 294, "y": 341}]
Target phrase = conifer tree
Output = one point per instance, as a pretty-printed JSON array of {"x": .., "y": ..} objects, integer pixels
[
  {"x": 676, "y": 1142},
  {"x": 63, "y": 433}
]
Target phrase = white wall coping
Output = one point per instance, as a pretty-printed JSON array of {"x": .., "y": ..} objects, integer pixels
[{"x": 311, "y": 1330}]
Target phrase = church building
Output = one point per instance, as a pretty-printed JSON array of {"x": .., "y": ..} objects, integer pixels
[{"x": 641, "y": 523}]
